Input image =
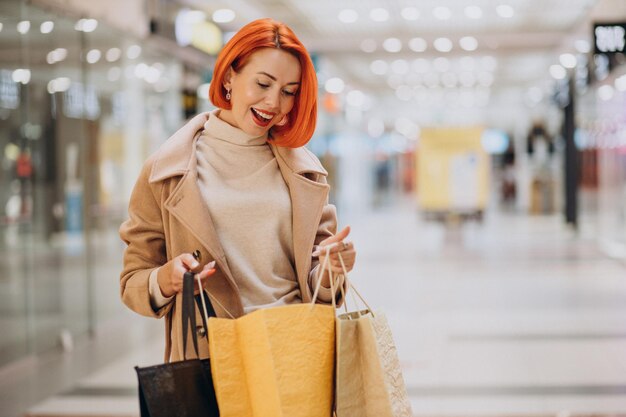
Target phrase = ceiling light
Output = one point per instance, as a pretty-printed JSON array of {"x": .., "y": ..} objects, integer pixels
[
  {"x": 379, "y": 14},
  {"x": 59, "y": 85},
  {"x": 86, "y": 25},
  {"x": 348, "y": 16},
  {"x": 57, "y": 55},
  {"x": 404, "y": 93},
  {"x": 431, "y": 79},
  {"x": 441, "y": 64},
  {"x": 582, "y": 46},
  {"x": 153, "y": 74},
  {"x": 485, "y": 79},
  {"x": 21, "y": 75},
  {"x": 606, "y": 92},
  {"x": 620, "y": 83},
  {"x": 442, "y": 13},
  {"x": 413, "y": 79},
  {"x": 489, "y": 63},
  {"x": 334, "y": 85},
  {"x": 557, "y": 72},
  {"x": 467, "y": 79},
  {"x": 23, "y": 27},
  {"x": 410, "y": 13},
  {"x": 418, "y": 45},
  {"x": 504, "y": 10},
  {"x": 375, "y": 127},
  {"x": 114, "y": 74},
  {"x": 223, "y": 16},
  {"x": 394, "y": 81},
  {"x": 392, "y": 45},
  {"x": 93, "y": 56},
  {"x": 400, "y": 66},
  {"x": 46, "y": 27},
  {"x": 535, "y": 95},
  {"x": 141, "y": 70},
  {"x": 379, "y": 67},
  {"x": 473, "y": 12},
  {"x": 449, "y": 79},
  {"x": 133, "y": 51},
  {"x": 60, "y": 54},
  {"x": 355, "y": 98},
  {"x": 368, "y": 45},
  {"x": 467, "y": 63},
  {"x": 113, "y": 54},
  {"x": 568, "y": 60},
  {"x": 421, "y": 65},
  {"x": 406, "y": 127},
  {"x": 468, "y": 43},
  {"x": 443, "y": 44}
]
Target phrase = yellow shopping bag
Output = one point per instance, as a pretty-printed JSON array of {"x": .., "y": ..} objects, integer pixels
[{"x": 276, "y": 362}]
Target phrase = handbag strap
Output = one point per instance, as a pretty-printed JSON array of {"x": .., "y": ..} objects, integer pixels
[{"x": 189, "y": 313}]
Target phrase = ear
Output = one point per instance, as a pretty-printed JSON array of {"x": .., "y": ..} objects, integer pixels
[{"x": 228, "y": 78}]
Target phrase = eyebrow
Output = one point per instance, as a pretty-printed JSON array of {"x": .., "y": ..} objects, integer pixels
[{"x": 274, "y": 78}]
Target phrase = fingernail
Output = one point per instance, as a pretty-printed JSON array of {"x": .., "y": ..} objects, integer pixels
[
  {"x": 211, "y": 264},
  {"x": 195, "y": 265}
]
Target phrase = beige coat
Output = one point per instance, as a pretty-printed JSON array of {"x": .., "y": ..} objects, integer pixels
[{"x": 167, "y": 217}]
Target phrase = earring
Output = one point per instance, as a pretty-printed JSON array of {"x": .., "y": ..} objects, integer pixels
[
  {"x": 227, "y": 95},
  {"x": 283, "y": 121}
]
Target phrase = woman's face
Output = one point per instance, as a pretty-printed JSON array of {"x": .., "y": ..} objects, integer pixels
[{"x": 263, "y": 91}]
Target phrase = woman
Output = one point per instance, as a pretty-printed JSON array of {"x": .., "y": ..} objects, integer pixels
[{"x": 234, "y": 196}]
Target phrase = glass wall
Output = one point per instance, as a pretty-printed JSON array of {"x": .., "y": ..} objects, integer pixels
[
  {"x": 602, "y": 137},
  {"x": 81, "y": 106}
]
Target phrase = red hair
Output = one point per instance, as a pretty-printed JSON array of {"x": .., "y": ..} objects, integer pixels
[{"x": 268, "y": 33}]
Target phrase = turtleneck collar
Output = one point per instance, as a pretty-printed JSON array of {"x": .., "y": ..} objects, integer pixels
[{"x": 216, "y": 128}]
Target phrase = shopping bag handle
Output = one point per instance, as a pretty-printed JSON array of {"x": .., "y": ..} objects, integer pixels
[
  {"x": 353, "y": 288},
  {"x": 320, "y": 273}
]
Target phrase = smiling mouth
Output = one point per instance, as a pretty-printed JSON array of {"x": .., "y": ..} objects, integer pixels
[{"x": 261, "y": 118}]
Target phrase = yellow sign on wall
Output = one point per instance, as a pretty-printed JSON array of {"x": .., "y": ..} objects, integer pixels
[{"x": 452, "y": 170}]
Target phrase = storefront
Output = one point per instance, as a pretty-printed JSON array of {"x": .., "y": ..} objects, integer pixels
[
  {"x": 81, "y": 106},
  {"x": 601, "y": 135}
]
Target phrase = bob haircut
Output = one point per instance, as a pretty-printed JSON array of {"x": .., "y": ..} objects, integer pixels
[{"x": 268, "y": 33}]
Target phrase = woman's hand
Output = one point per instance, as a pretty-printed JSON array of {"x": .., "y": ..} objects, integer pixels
[
  {"x": 336, "y": 245},
  {"x": 170, "y": 275}
]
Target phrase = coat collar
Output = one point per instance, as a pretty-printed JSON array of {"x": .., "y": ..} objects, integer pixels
[{"x": 174, "y": 156}]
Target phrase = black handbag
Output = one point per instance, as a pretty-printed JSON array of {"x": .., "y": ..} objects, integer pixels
[{"x": 184, "y": 388}]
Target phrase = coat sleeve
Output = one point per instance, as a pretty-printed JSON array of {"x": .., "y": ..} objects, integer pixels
[
  {"x": 144, "y": 236},
  {"x": 326, "y": 228}
]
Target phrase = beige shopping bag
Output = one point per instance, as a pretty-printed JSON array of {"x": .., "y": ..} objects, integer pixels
[
  {"x": 369, "y": 380},
  {"x": 276, "y": 362}
]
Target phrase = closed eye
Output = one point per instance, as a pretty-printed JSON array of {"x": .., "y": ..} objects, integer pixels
[
  {"x": 289, "y": 93},
  {"x": 260, "y": 84}
]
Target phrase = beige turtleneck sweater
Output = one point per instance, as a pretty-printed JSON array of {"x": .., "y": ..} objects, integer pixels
[{"x": 250, "y": 206}]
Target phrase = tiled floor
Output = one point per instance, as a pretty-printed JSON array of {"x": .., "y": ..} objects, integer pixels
[{"x": 517, "y": 316}]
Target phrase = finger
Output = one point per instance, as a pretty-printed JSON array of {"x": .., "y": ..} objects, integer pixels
[
  {"x": 339, "y": 236},
  {"x": 206, "y": 272},
  {"x": 333, "y": 248},
  {"x": 345, "y": 255},
  {"x": 189, "y": 262}
]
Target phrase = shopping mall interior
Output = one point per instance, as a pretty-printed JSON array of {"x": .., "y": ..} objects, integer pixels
[{"x": 477, "y": 149}]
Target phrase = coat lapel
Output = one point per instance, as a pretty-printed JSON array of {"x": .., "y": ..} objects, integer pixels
[
  {"x": 186, "y": 203},
  {"x": 308, "y": 198}
]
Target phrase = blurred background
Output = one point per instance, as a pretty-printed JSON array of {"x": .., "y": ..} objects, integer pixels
[{"x": 476, "y": 147}]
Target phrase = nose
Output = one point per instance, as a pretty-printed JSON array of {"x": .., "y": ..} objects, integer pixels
[{"x": 272, "y": 99}]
